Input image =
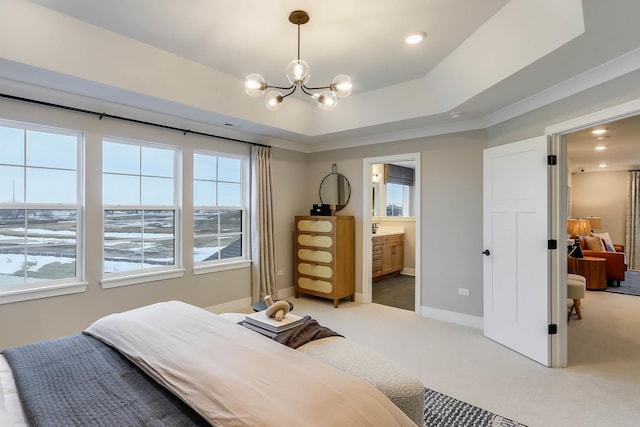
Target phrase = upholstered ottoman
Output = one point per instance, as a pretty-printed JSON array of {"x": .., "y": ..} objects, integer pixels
[
  {"x": 404, "y": 390},
  {"x": 576, "y": 286}
]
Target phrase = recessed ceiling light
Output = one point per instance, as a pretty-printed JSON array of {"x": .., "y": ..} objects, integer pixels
[
  {"x": 598, "y": 131},
  {"x": 601, "y": 147},
  {"x": 415, "y": 38},
  {"x": 602, "y": 165}
]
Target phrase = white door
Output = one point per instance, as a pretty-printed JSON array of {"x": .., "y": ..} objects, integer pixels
[{"x": 516, "y": 261}]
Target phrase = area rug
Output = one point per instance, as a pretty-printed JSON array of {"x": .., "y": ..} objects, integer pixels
[
  {"x": 629, "y": 286},
  {"x": 441, "y": 410}
]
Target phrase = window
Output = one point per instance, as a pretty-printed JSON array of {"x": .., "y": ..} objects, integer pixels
[
  {"x": 40, "y": 211},
  {"x": 397, "y": 200},
  {"x": 219, "y": 211},
  {"x": 141, "y": 213}
]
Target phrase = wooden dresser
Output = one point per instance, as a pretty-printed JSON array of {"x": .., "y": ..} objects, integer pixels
[{"x": 325, "y": 257}]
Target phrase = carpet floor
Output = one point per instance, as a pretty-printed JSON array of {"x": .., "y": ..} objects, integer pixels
[
  {"x": 629, "y": 286},
  {"x": 441, "y": 410}
]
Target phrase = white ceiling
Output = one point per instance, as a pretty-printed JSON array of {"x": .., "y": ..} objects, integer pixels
[
  {"x": 489, "y": 60},
  {"x": 622, "y": 142}
]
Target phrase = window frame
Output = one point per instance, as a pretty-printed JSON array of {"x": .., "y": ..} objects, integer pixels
[
  {"x": 143, "y": 275},
  {"x": 244, "y": 261},
  {"x": 49, "y": 288}
]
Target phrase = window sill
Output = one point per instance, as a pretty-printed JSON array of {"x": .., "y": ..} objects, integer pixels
[
  {"x": 213, "y": 268},
  {"x": 26, "y": 294},
  {"x": 134, "y": 279}
]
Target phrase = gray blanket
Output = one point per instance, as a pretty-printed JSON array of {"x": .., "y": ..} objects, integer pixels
[
  {"x": 79, "y": 381},
  {"x": 309, "y": 330}
]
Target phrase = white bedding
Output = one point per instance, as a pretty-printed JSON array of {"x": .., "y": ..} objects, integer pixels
[
  {"x": 235, "y": 377},
  {"x": 11, "y": 414}
]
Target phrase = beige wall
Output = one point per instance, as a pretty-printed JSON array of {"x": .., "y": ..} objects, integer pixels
[
  {"x": 451, "y": 204},
  {"x": 602, "y": 194}
]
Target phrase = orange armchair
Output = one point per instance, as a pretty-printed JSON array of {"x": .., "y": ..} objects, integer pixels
[{"x": 616, "y": 263}]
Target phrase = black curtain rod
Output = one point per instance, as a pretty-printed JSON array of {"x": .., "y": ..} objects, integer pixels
[{"x": 126, "y": 119}]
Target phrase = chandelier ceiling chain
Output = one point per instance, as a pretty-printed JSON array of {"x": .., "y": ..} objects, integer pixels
[{"x": 298, "y": 73}]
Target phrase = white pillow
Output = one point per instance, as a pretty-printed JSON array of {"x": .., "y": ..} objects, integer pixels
[{"x": 607, "y": 240}]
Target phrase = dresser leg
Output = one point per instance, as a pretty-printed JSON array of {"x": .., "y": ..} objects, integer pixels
[{"x": 335, "y": 303}]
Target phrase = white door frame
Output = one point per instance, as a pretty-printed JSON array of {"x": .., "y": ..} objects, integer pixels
[
  {"x": 367, "y": 208},
  {"x": 558, "y": 211}
]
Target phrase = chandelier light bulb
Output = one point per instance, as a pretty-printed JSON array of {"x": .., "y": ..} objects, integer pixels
[
  {"x": 327, "y": 100},
  {"x": 298, "y": 72},
  {"x": 341, "y": 86},
  {"x": 254, "y": 85},
  {"x": 273, "y": 100}
]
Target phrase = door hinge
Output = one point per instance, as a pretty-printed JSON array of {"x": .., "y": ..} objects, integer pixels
[
  {"x": 552, "y": 160},
  {"x": 553, "y": 329},
  {"x": 552, "y": 244}
]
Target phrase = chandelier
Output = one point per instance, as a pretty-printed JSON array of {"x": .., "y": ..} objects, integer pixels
[{"x": 298, "y": 73}]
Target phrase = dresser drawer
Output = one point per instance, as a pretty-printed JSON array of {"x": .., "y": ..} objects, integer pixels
[
  {"x": 315, "y": 240},
  {"x": 315, "y": 255},
  {"x": 315, "y": 225},
  {"x": 315, "y": 270},
  {"x": 315, "y": 285}
]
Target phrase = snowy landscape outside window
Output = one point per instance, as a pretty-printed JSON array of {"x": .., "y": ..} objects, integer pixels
[
  {"x": 140, "y": 203},
  {"x": 40, "y": 207},
  {"x": 219, "y": 208}
]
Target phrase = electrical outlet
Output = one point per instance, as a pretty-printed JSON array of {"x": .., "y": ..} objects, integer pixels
[
  {"x": 280, "y": 272},
  {"x": 463, "y": 292}
]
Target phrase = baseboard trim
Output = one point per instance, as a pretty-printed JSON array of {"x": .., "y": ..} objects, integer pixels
[
  {"x": 452, "y": 317},
  {"x": 230, "y": 306},
  {"x": 408, "y": 271}
]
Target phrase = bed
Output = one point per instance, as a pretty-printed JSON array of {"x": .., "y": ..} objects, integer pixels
[{"x": 173, "y": 364}]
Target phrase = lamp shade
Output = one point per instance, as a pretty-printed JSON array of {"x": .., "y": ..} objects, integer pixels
[
  {"x": 578, "y": 227},
  {"x": 596, "y": 222}
]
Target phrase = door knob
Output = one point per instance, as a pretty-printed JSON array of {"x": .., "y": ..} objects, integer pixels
[{"x": 486, "y": 252}]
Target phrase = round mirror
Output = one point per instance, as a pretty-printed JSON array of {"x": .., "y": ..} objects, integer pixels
[{"x": 335, "y": 190}]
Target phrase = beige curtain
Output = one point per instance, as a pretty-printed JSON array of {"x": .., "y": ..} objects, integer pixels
[
  {"x": 632, "y": 242},
  {"x": 263, "y": 249}
]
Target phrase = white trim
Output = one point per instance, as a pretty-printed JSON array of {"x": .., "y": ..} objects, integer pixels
[
  {"x": 408, "y": 271},
  {"x": 213, "y": 268},
  {"x": 453, "y": 317},
  {"x": 612, "y": 113},
  {"x": 25, "y": 294},
  {"x": 230, "y": 306},
  {"x": 603, "y": 73},
  {"x": 286, "y": 292},
  {"x": 367, "y": 163},
  {"x": 559, "y": 356},
  {"x": 134, "y": 279}
]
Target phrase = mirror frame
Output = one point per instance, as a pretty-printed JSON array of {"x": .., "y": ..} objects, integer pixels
[{"x": 339, "y": 175}]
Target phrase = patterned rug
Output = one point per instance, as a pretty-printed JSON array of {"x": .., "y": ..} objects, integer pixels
[
  {"x": 630, "y": 285},
  {"x": 443, "y": 411}
]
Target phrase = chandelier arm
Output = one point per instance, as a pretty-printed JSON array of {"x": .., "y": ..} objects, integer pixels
[
  {"x": 304, "y": 89},
  {"x": 316, "y": 88},
  {"x": 290, "y": 93},
  {"x": 280, "y": 87}
]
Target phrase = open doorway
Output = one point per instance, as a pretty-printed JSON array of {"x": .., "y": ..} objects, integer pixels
[
  {"x": 391, "y": 222},
  {"x": 559, "y": 214}
]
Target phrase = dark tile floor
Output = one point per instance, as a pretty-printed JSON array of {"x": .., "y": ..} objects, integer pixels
[{"x": 397, "y": 291}]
